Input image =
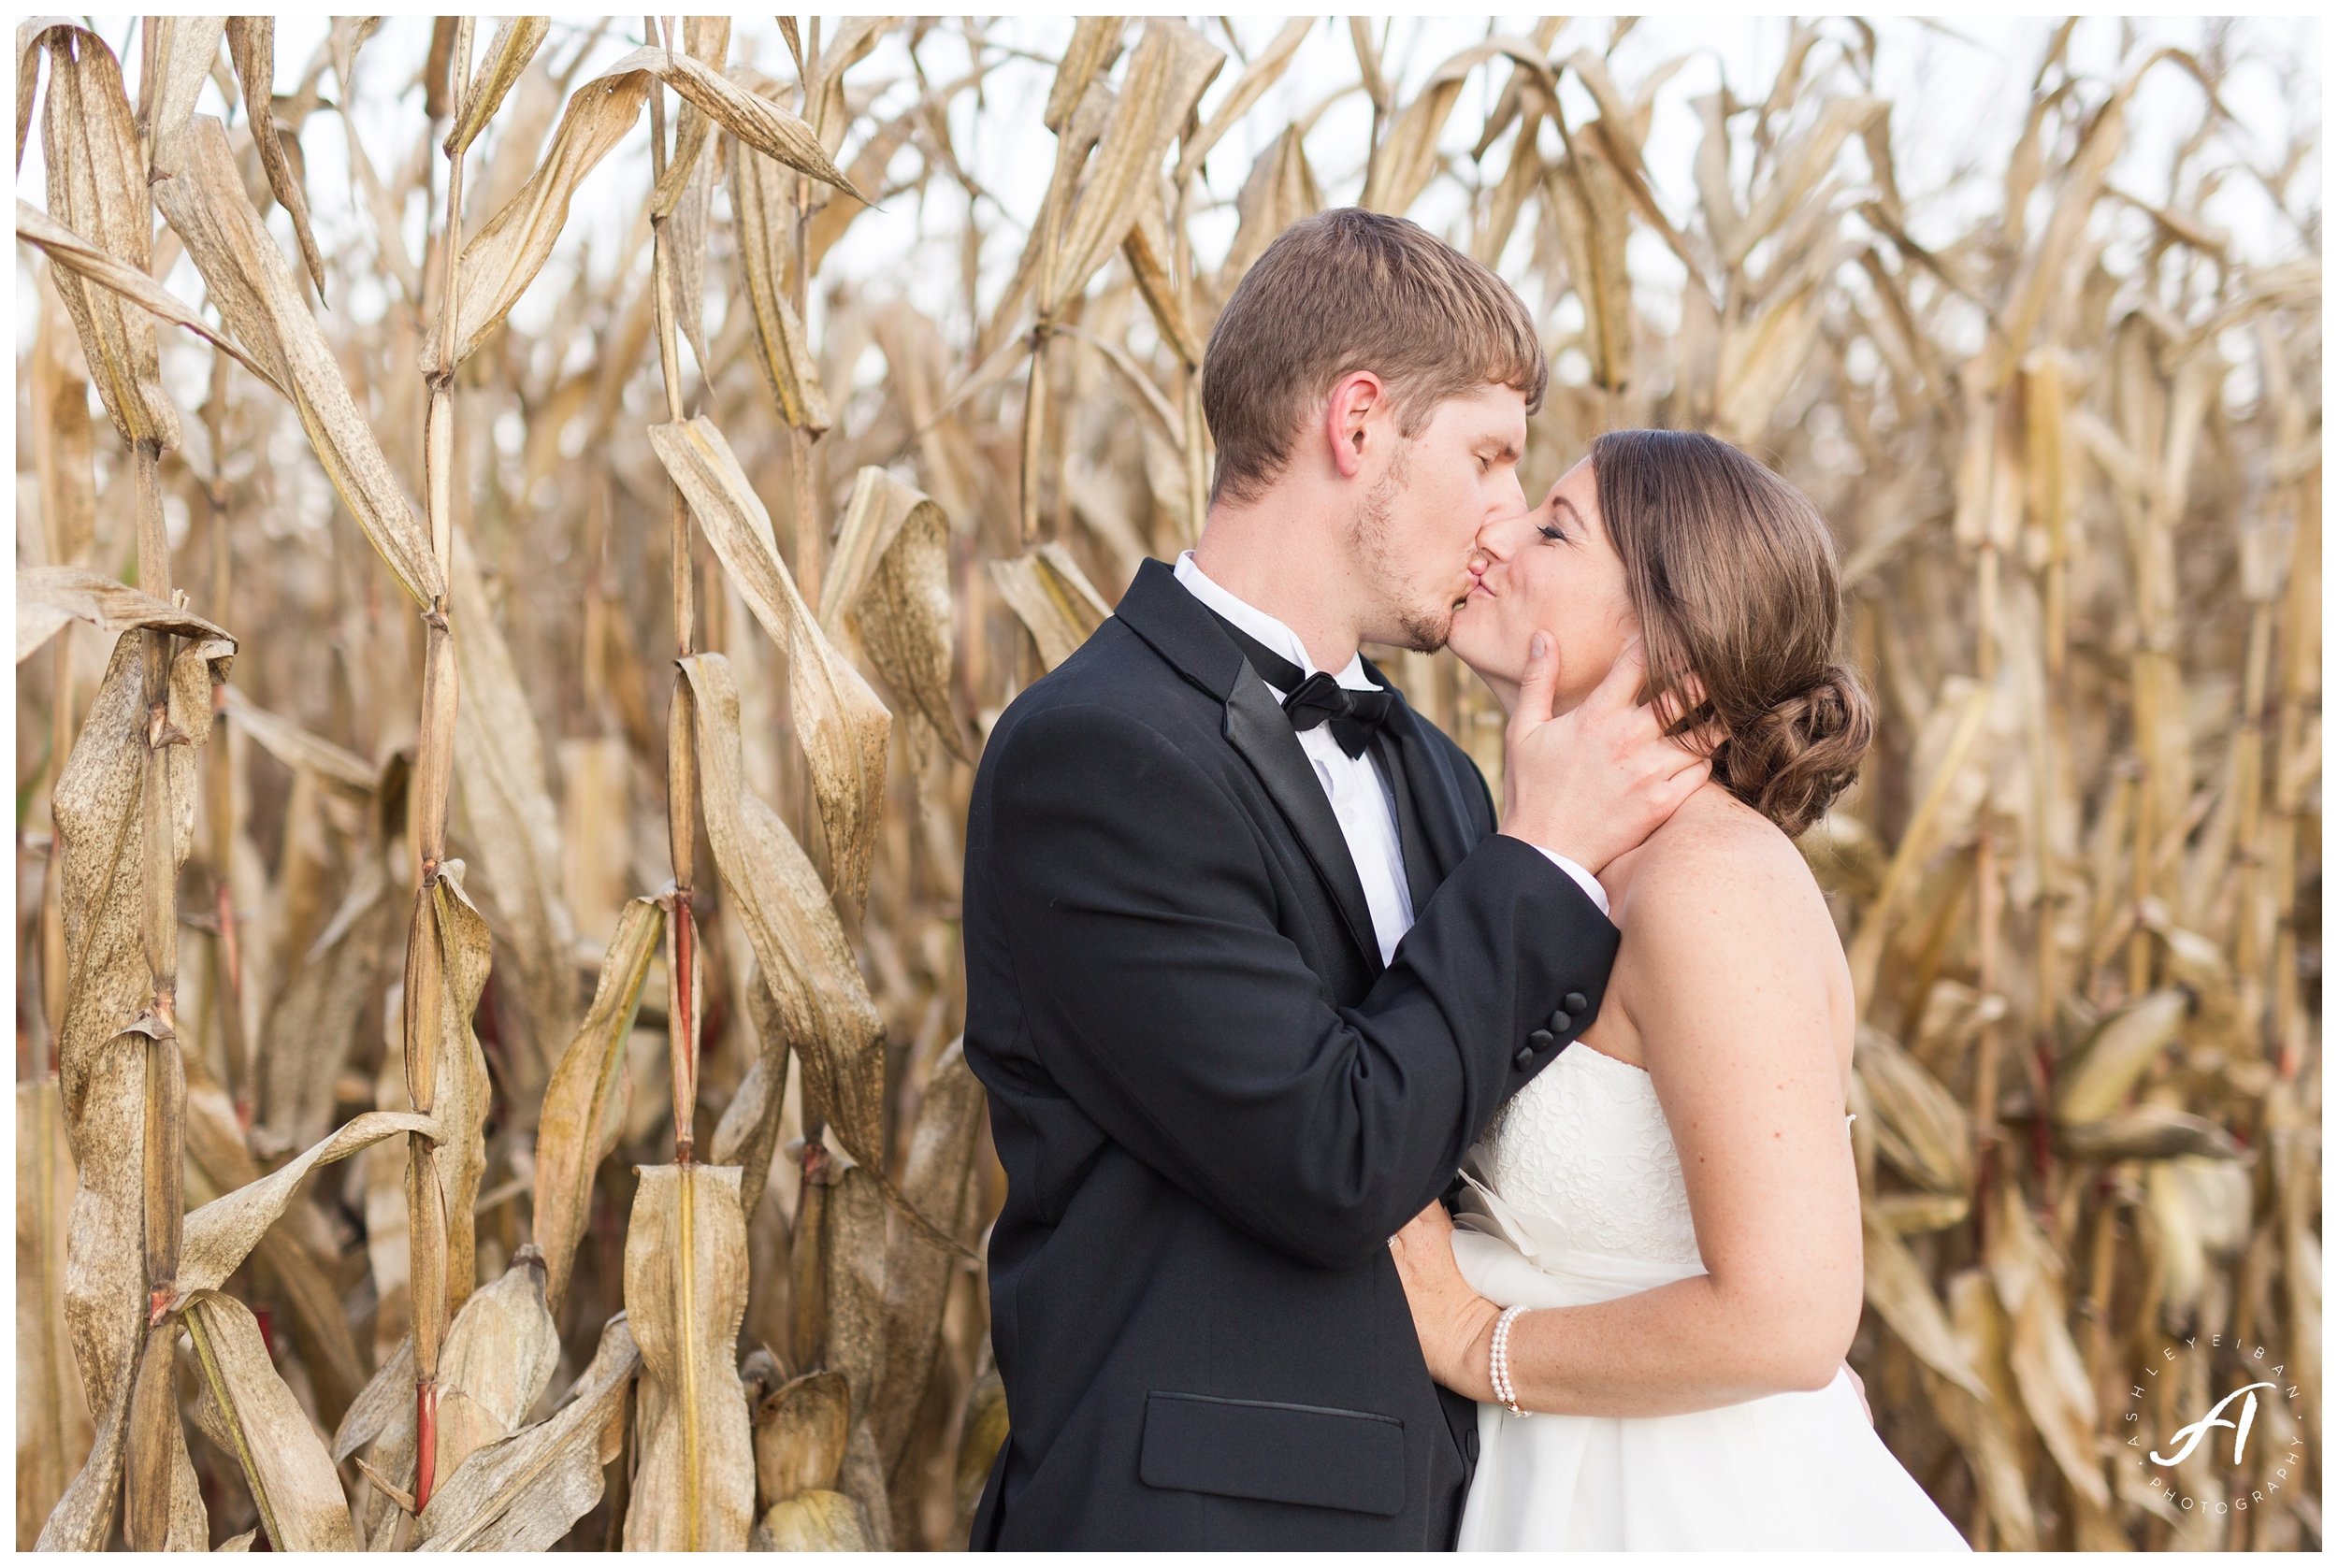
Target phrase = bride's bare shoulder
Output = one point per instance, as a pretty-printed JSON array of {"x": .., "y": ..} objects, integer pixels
[
  {"x": 1719, "y": 864},
  {"x": 1713, "y": 833},
  {"x": 1720, "y": 917}
]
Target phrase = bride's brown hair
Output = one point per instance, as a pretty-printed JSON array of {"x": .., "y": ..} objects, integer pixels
[{"x": 1732, "y": 572}]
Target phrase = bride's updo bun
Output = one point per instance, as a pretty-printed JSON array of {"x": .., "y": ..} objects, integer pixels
[{"x": 1732, "y": 572}]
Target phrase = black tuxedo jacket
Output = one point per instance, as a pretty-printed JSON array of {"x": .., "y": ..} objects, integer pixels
[{"x": 1215, "y": 1105}]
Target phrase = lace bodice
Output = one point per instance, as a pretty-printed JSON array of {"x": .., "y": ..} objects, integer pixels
[{"x": 1582, "y": 1153}]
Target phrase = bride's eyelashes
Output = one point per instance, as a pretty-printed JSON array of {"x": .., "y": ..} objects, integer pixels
[{"x": 1553, "y": 532}]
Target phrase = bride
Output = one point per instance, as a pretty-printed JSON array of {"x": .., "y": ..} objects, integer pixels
[{"x": 1656, "y": 1272}]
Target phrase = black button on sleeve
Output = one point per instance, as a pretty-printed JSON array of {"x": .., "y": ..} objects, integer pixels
[
  {"x": 1525, "y": 1060},
  {"x": 1575, "y": 1002},
  {"x": 1540, "y": 1041},
  {"x": 1561, "y": 1022}
]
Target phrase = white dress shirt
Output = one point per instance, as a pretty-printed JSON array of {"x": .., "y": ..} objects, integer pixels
[{"x": 1359, "y": 797}]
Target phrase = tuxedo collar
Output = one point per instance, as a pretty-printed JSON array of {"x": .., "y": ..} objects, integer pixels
[{"x": 1179, "y": 627}]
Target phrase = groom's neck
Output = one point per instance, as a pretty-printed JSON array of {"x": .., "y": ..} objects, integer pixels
[{"x": 1277, "y": 559}]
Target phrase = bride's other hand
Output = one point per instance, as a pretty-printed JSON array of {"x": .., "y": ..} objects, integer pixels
[{"x": 1454, "y": 1322}]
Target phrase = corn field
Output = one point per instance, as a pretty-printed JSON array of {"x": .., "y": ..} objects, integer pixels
[{"x": 497, "y": 692}]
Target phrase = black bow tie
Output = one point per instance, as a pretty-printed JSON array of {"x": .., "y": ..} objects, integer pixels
[{"x": 1355, "y": 716}]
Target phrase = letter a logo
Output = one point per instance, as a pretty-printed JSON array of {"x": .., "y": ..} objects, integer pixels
[{"x": 2188, "y": 1437}]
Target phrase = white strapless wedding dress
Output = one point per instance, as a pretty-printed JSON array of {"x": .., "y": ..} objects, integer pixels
[{"x": 1576, "y": 1196}]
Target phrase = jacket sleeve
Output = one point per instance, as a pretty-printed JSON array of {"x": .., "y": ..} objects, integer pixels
[{"x": 1158, "y": 993}]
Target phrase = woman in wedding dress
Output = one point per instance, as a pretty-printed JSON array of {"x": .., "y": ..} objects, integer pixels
[{"x": 1657, "y": 1273}]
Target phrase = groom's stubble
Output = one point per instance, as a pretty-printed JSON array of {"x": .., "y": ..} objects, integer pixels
[{"x": 1421, "y": 629}]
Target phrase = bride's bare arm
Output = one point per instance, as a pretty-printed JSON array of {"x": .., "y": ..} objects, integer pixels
[{"x": 1728, "y": 949}]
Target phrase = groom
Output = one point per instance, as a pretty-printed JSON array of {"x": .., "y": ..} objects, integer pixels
[{"x": 1248, "y": 965}]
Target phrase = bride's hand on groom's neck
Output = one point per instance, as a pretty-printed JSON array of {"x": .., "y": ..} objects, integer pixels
[{"x": 1593, "y": 782}]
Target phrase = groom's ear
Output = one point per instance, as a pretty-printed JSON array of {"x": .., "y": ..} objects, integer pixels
[{"x": 1349, "y": 414}]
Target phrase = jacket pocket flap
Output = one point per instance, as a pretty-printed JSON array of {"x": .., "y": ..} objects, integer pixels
[{"x": 1279, "y": 1453}]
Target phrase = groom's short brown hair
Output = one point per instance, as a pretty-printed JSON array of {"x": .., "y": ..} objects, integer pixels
[{"x": 1353, "y": 290}]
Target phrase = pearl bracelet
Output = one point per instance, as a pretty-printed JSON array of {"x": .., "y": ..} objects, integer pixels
[{"x": 1499, "y": 1358}]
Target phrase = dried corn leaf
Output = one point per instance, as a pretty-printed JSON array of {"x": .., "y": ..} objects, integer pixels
[
  {"x": 503, "y": 258},
  {"x": 981, "y": 1438},
  {"x": 257, "y": 298},
  {"x": 1983, "y": 1426},
  {"x": 1261, "y": 72},
  {"x": 890, "y": 578},
  {"x": 251, "y": 43},
  {"x": 1095, "y": 40},
  {"x": 378, "y": 1406},
  {"x": 2051, "y": 1375},
  {"x": 103, "y": 1038},
  {"x": 748, "y": 1134},
  {"x": 460, "y": 1101},
  {"x": 686, "y": 1294},
  {"x": 97, "y": 189},
  {"x": 63, "y": 450},
  {"x": 1053, "y": 599},
  {"x": 707, "y": 40},
  {"x": 283, "y": 1459},
  {"x": 84, "y": 260},
  {"x": 511, "y": 825},
  {"x": 1903, "y": 1298},
  {"x": 221, "y": 1234},
  {"x": 843, "y": 725},
  {"x": 798, "y": 943},
  {"x": 918, "y": 1276},
  {"x": 49, "y": 596},
  {"x": 1919, "y": 1126},
  {"x": 760, "y": 206},
  {"x": 295, "y": 1259},
  {"x": 800, "y": 1436},
  {"x": 853, "y": 1242},
  {"x": 2116, "y": 1055},
  {"x": 525, "y": 1491},
  {"x": 298, "y": 748},
  {"x": 515, "y": 44},
  {"x": 163, "y": 1497},
  {"x": 186, "y": 47},
  {"x": 1406, "y": 157},
  {"x": 53, "y": 1427},
  {"x": 1170, "y": 68},
  {"x": 2148, "y": 1132},
  {"x": 756, "y": 122},
  {"x": 1588, "y": 204},
  {"x": 585, "y": 1102},
  {"x": 306, "y": 1042},
  {"x": 1913, "y": 1214}
]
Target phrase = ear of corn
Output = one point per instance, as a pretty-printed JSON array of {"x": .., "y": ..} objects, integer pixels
[{"x": 477, "y": 936}]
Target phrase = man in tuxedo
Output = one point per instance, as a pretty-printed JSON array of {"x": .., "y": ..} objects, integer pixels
[{"x": 1249, "y": 963}]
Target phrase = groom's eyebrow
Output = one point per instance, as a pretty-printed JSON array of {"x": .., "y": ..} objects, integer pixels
[{"x": 1501, "y": 448}]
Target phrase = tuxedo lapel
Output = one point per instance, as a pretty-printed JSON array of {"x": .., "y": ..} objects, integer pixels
[
  {"x": 1258, "y": 727},
  {"x": 1181, "y": 629},
  {"x": 1428, "y": 799}
]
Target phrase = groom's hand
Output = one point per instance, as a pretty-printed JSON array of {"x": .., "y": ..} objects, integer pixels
[{"x": 1594, "y": 783}]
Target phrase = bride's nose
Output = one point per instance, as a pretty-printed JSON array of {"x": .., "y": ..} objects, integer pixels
[{"x": 1495, "y": 542}]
